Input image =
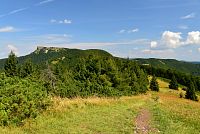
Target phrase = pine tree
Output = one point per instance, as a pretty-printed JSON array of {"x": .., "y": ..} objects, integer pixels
[
  {"x": 173, "y": 83},
  {"x": 28, "y": 67},
  {"x": 154, "y": 84},
  {"x": 190, "y": 92},
  {"x": 10, "y": 66}
]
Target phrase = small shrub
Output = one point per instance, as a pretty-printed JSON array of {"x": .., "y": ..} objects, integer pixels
[
  {"x": 154, "y": 86},
  {"x": 181, "y": 95}
]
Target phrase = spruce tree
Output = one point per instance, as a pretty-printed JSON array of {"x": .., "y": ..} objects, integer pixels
[
  {"x": 154, "y": 84},
  {"x": 10, "y": 66},
  {"x": 190, "y": 92},
  {"x": 173, "y": 83},
  {"x": 28, "y": 68}
]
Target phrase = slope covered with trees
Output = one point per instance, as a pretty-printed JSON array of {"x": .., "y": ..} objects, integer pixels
[
  {"x": 27, "y": 83},
  {"x": 181, "y": 66}
]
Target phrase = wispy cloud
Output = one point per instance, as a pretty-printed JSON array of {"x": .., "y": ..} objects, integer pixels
[
  {"x": 65, "y": 21},
  {"x": 50, "y": 39},
  {"x": 122, "y": 31},
  {"x": 13, "y": 12},
  {"x": 7, "y": 29},
  {"x": 128, "y": 31},
  {"x": 189, "y": 16},
  {"x": 25, "y": 8},
  {"x": 166, "y": 6},
  {"x": 13, "y": 48},
  {"x": 93, "y": 45},
  {"x": 44, "y": 2},
  {"x": 183, "y": 27},
  {"x": 133, "y": 30}
]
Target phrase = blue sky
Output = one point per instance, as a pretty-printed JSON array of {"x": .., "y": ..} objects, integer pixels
[{"x": 126, "y": 28}]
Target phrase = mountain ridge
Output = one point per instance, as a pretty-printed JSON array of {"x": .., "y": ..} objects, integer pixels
[{"x": 72, "y": 56}]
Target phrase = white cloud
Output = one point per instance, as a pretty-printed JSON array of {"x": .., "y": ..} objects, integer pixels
[
  {"x": 133, "y": 30},
  {"x": 189, "y": 16},
  {"x": 154, "y": 44},
  {"x": 193, "y": 38},
  {"x": 13, "y": 48},
  {"x": 65, "y": 21},
  {"x": 129, "y": 31},
  {"x": 7, "y": 29},
  {"x": 44, "y": 2},
  {"x": 172, "y": 39}
]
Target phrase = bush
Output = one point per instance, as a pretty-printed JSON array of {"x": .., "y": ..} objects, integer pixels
[
  {"x": 154, "y": 84},
  {"x": 173, "y": 84},
  {"x": 181, "y": 95},
  {"x": 20, "y": 99},
  {"x": 190, "y": 92}
]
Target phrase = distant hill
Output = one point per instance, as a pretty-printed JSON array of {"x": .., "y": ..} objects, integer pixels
[
  {"x": 55, "y": 55},
  {"x": 182, "y": 66},
  {"x": 70, "y": 57}
]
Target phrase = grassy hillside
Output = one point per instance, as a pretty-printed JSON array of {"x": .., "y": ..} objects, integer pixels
[
  {"x": 186, "y": 67},
  {"x": 169, "y": 114}
]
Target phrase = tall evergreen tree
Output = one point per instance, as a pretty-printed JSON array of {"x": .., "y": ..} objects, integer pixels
[
  {"x": 26, "y": 69},
  {"x": 154, "y": 84},
  {"x": 190, "y": 92},
  {"x": 10, "y": 66},
  {"x": 173, "y": 84}
]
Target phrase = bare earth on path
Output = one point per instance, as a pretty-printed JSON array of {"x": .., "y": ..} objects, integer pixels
[{"x": 142, "y": 123}]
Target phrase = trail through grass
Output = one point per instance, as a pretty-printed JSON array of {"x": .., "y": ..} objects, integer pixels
[{"x": 169, "y": 115}]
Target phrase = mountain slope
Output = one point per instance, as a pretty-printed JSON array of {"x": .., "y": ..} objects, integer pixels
[
  {"x": 54, "y": 55},
  {"x": 182, "y": 66},
  {"x": 72, "y": 56}
]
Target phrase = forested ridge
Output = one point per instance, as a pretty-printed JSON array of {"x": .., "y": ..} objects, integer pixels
[
  {"x": 27, "y": 83},
  {"x": 192, "y": 68}
]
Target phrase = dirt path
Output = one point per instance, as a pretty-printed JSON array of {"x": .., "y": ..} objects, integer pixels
[{"x": 142, "y": 123}]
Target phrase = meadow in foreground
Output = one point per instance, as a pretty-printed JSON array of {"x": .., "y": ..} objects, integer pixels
[{"x": 170, "y": 115}]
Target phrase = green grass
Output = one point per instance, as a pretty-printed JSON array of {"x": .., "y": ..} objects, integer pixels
[
  {"x": 170, "y": 115},
  {"x": 106, "y": 116},
  {"x": 173, "y": 115}
]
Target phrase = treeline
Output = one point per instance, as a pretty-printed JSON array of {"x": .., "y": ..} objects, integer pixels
[
  {"x": 190, "y": 82},
  {"x": 25, "y": 89}
]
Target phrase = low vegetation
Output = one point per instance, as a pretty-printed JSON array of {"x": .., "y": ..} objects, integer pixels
[{"x": 170, "y": 114}]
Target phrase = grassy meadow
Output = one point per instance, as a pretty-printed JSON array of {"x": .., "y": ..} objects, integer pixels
[{"x": 170, "y": 115}]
